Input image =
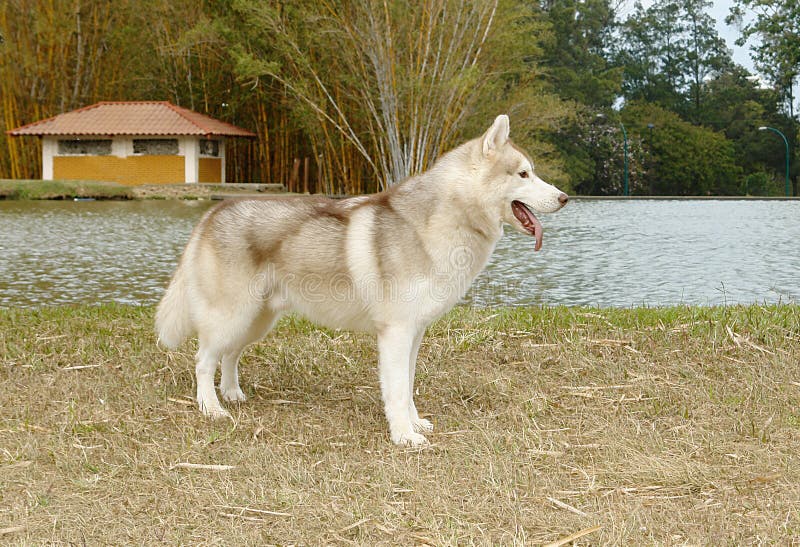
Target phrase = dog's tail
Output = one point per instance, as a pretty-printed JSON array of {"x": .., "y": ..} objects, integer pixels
[{"x": 173, "y": 323}]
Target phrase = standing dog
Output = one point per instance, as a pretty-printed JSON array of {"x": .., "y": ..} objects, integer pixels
[{"x": 389, "y": 263}]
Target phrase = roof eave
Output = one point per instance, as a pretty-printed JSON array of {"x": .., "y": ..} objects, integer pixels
[{"x": 15, "y": 133}]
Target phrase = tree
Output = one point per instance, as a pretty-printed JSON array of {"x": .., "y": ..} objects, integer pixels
[
  {"x": 685, "y": 159},
  {"x": 648, "y": 53},
  {"x": 595, "y": 147},
  {"x": 577, "y": 55},
  {"x": 669, "y": 50},
  {"x": 389, "y": 80},
  {"x": 706, "y": 53},
  {"x": 392, "y": 81},
  {"x": 63, "y": 54},
  {"x": 777, "y": 53},
  {"x": 737, "y": 105}
]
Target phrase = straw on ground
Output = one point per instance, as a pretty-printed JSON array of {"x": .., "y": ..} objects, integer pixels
[{"x": 549, "y": 429}]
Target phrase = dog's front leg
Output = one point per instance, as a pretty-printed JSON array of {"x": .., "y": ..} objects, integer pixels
[
  {"x": 395, "y": 347},
  {"x": 420, "y": 425}
]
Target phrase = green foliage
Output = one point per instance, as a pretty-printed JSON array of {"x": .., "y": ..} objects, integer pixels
[
  {"x": 777, "y": 53},
  {"x": 682, "y": 159},
  {"x": 596, "y": 148},
  {"x": 395, "y": 83},
  {"x": 577, "y": 55},
  {"x": 372, "y": 91},
  {"x": 762, "y": 184},
  {"x": 669, "y": 50},
  {"x": 705, "y": 110}
]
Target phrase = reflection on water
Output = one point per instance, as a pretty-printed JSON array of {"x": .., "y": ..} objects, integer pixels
[
  {"x": 93, "y": 251},
  {"x": 597, "y": 253}
]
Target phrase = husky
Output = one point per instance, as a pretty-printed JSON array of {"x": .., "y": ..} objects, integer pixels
[{"x": 388, "y": 263}]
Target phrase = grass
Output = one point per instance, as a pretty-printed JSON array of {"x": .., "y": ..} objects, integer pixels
[
  {"x": 62, "y": 189},
  {"x": 630, "y": 427},
  {"x": 70, "y": 189}
]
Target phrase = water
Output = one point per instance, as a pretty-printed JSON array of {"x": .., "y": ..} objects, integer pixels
[
  {"x": 632, "y": 253},
  {"x": 62, "y": 252},
  {"x": 596, "y": 253}
]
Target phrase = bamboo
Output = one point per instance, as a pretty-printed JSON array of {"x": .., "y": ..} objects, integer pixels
[{"x": 382, "y": 81}]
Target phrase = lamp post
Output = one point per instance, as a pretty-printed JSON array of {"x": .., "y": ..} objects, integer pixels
[
  {"x": 650, "y": 127},
  {"x": 625, "y": 189},
  {"x": 786, "y": 142}
]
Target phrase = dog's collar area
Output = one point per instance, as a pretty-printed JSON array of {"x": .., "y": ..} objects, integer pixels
[{"x": 528, "y": 221}]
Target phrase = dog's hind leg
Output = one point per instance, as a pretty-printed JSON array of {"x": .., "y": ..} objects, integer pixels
[
  {"x": 395, "y": 345},
  {"x": 229, "y": 380},
  {"x": 207, "y": 361},
  {"x": 420, "y": 425}
]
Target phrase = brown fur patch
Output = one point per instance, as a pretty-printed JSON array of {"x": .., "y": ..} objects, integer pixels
[
  {"x": 332, "y": 210},
  {"x": 382, "y": 199},
  {"x": 260, "y": 253}
]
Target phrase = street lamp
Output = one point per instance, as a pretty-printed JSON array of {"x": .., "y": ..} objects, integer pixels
[
  {"x": 650, "y": 127},
  {"x": 625, "y": 188},
  {"x": 786, "y": 142}
]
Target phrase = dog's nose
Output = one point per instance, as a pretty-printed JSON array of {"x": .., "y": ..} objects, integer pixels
[{"x": 563, "y": 199}]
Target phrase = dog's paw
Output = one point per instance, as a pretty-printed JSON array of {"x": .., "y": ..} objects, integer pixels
[
  {"x": 215, "y": 412},
  {"x": 233, "y": 395},
  {"x": 421, "y": 425},
  {"x": 409, "y": 438}
]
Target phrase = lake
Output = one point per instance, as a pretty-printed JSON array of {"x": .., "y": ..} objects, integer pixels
[{"x": 596, "y": 253}]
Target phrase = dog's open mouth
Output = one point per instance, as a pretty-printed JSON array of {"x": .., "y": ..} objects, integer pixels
[{"x": 528, "y": 221}]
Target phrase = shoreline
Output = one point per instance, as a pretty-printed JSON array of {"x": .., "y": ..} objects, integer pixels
[
  {"x": 97, "y": 190},
  {"x": 686, "y": 198}
]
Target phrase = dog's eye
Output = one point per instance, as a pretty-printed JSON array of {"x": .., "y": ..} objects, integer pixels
[{"x": 523, "y": 174}]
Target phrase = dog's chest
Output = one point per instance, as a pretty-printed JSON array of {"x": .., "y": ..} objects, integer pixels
[{"x": 457, "y": 267}]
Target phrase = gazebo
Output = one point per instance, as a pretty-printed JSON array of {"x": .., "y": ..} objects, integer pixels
[{"x": 134, "y": 142}]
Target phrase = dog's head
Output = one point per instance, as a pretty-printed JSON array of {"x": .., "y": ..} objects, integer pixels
[{"x": 511, "y": 185}]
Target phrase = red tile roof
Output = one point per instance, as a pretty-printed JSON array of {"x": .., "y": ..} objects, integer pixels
[{"x": 131, "y": 118}]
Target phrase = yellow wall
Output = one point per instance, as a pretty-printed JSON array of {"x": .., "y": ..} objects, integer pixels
[
  {"x": 210, "y": 170},
  {"x": 130, "y": 170}
]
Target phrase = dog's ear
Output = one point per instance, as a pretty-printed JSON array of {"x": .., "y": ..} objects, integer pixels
[{"x": 497, "y": 135}]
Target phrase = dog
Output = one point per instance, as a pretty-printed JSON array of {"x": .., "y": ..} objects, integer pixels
[{"x": 388, "y": 263}]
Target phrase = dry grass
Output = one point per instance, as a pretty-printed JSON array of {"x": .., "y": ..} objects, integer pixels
[{"x": 673, "y": 426}]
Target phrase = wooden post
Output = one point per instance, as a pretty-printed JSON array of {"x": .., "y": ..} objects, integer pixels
[
  {"x": 305, "y": 174},
  {"x": 294, "y": 182}
]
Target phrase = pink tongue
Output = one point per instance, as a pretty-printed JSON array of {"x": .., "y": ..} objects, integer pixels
[
  {"x": 537, "y": 233},
  {"x": 529, "y": 222}
]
